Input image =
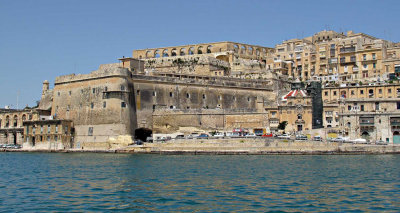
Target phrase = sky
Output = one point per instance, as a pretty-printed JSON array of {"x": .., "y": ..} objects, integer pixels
[{"x": 43, "y": 39}]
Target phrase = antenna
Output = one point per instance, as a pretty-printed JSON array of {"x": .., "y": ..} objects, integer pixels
[{"x": 17, "y": 98}]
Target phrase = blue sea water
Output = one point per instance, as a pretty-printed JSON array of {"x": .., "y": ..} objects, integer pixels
[{"x": 92, "y": 182}]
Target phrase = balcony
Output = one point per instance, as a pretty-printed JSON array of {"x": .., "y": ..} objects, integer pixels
[
  {"x": 347, "y": 49},
  {"x": 333, "y": 60}
]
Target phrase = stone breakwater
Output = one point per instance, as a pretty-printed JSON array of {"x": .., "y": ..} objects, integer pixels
[
  {"x": 239, "y": 146},
  {"x": 260, "y": 146}
]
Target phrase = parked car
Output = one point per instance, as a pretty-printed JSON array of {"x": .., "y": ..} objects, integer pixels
[
  {"x": 338, "y": 139},
  {"x": 317, "y": 138},
  {"x": 193, "y": 135},
  {"x": 301, "y": 137},
  {"x": 284, "y": 136},
  {"x": 381, "y": 142},
  {"x": 219, "y": 135},
  {"x": 203, "y": 135},
  {"x": 267, "y": 135},
  {"x": 138, "y": 142},
  {"x": 180, "y": 137},
  {"x": 360, "y": 140},
  {"x": 233, "y": 134},
  {"x": 251, "y": 135}
]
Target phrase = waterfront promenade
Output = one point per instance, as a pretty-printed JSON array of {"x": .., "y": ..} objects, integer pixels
[{"x": 234, "y": 146}]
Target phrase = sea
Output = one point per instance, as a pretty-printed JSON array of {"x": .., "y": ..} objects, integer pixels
[{"x": 105, "y": 182}]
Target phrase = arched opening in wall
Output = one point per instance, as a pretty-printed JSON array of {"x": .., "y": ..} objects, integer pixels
[
  {"x": 258, "y": 52},
  {"x": 15, "y": 138},
  {"x": 143, "y": 133},
  {"x": 23, "y": 117},
  {"x": 140, "y": 57},
  {"x": 7, "y": 122},
  {"x": 165, "y": 53},
  {"x": 236, "y": 48},
  {"x": 148, "y": 54},
  {"x": 200, "y": 50},
  {"x": 191, "y": 51},
  {"x": 242, "y": 50},
  {"x": 299, "y": 116},
  {"x": 157, "y": 54},
  {"x": 173, "y": 52},
  {"x": 15, "y": 121},
  {"x": 209, "y": 49},
  {"x": 182, "y": 52},
  {"x": 250, "y": 50},
  {"x": 264, "y": 51},
  {"x": 365, "y": 135}
]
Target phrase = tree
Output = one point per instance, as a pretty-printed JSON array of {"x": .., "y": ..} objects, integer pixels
[{"x": 282, "y": 125}]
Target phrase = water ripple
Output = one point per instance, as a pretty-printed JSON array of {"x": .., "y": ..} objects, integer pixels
[{"x": 32, "y": 182}]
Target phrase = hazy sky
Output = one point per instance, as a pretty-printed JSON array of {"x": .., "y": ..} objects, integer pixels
[{"x": 42, "y": 39}]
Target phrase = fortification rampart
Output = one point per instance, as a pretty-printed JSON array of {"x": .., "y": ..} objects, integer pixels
[{"x": 105, "y": 70}]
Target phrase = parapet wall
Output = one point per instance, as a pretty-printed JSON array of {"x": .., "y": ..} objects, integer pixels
[
  {"x": 105, "y": 70},
  {"x": 208, "y": 81}
]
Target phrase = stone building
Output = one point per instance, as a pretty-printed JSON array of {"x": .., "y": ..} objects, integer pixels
[
  {"x": 11, "y": 123},
  {"x": 48, "y": 134},
  {"x": 330, "y": 56},
  {"x": 368, "y": 111},
  {"x": 101, "y": 104}
]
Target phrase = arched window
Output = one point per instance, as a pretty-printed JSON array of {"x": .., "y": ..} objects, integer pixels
[
  {"x": 191, "y": 51},
  {"x": 200, "y": 50},
  {"x": 23, "y": 117},
  {"x": 165, "y": 53},
  {"x": 7, "y": 121},
  {"x": 209, "y": 49},
  {"x": 299, "y": 116},
  {"x": 250, "y": 50},
  {"x": 148, "y": 54},
  {"x": 15, "y": 121},
  {"x": 182, "y": 52},
  {"x": 157, "y": 54},
  {"x": 236, "y": 48},
  {"x": 242, "y": 50},
  {"x": 173, "y": 52}
]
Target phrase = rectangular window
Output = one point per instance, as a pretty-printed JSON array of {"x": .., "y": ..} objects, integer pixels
[
  {"x": 374, "y": 65},
  {"x": 122, "y": 88},
  {"x": 365, "y": 66},
  {"x": 389, "y": 90},
  {"x": 48, "y": 128},
  {"x": 380, "y": 91},
  {"x": 55, "y": 138},
  {"x": 104, "y": 104},
  {"x": 398, "y": 105},
  {"x": 90, "y": 131},
  {"x": 334, "y": 93},
  {"x": 65, "y": 129},
  {"x": 93, "y": 90},
  {"x": 56, "y": 128},
  {"x": 326, "y": 93},
  {"x": 137, "y": 92},
  {"x": 349, "y": 107},
  {"x": 361, "y": 92},
  {"x": 362, "y": 108},
  {"x": 123, "y": 104},
  {"x": 373, "y": 56},
  {"x": 352, "y": 92},
  {"x": 364, "y": 57},
  {"x": 41, "y": 129},
  {"x": 92, "y": 105}
]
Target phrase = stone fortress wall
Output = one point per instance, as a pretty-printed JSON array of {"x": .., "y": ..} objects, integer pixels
[{"x": 100, "y": 103}]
